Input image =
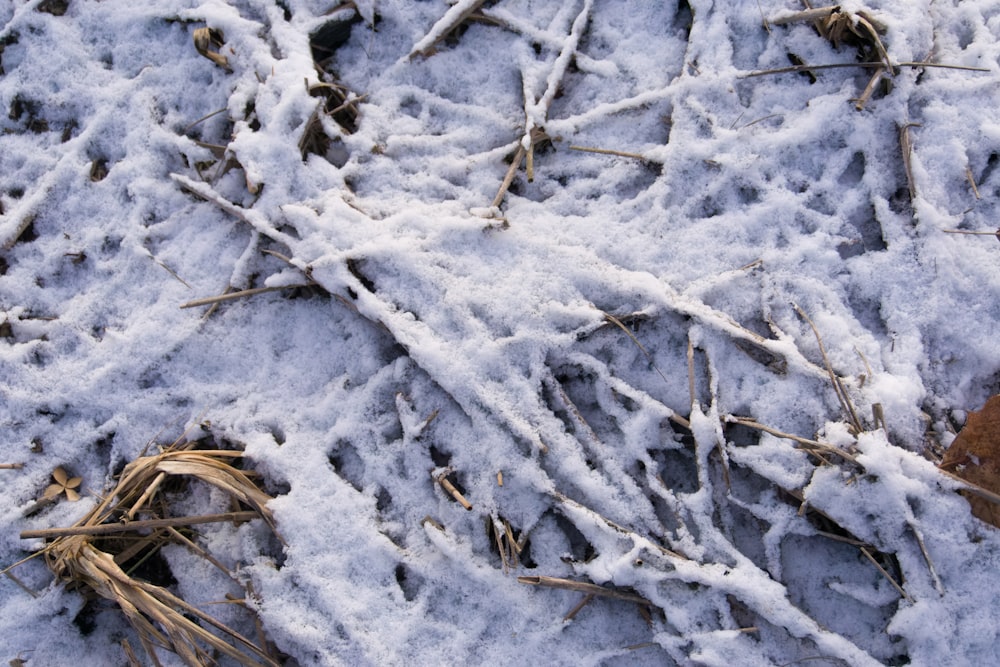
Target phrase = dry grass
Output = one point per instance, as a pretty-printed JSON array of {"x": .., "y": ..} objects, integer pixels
[{"x": 160, "y": 618}]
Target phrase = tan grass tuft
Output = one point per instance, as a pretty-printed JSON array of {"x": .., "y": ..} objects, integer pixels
[{"x": 160, "y": 618}]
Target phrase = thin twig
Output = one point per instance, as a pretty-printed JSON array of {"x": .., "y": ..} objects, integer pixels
[
  {"x": 885, "y": 574},
  {"x": 608, "y": 151},
  {"x": 11, "y": 466},
  {"x": 838, "y": 387},
  {"x": 808, "y": 444},
  {"x": 582, "y": 587},
  {"x": 972, "y": 181},
  {"x": 509, "y": 177},
  {"x": 618, "y": 323},
  {"x": 114, "y": 528},
  {"x": 876, "y": 64},
  {"x": 209, "y": 300},
  {"x": 927, "y": 558},
  {"x": 869, "y": 90},
  {"x": 579, "y": 606},
  {"x": 455, "y": 493},
  {"x": 965, "y": 231}
]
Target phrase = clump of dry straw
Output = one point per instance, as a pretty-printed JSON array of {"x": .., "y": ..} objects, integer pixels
[{"x": 160, "y": 618}]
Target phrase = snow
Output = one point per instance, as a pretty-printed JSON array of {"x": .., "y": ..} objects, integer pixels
[{"x": 443, "y": 334}]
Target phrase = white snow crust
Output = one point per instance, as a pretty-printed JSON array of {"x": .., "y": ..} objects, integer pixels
[{"x": 446, "y": 334}]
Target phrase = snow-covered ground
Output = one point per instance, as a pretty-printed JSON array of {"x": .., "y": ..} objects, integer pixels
[{"x": 574, "y": 358}]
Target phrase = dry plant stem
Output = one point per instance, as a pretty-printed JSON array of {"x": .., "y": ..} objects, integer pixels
[
  {"x": 183, "y": 539},
  {"x": 451, "y": 20},
  {"x": 927, "y": 558},
  {"x": 21, "y": 584},
  {"x": 639, "y": 539},
  {"x": 807, "y": 68},
  {"x": 204, "y": 118},
  {"x": 529, "y": 163},
  {"x": 885, "y": 574},
  {"x": 838, "y": 387},
  {"x": 972, "y": 488},
  {"x": 11, "y": 466},
  {"x": 455, "y": 493},
  {"x": 509, "y": 177},
  {"x": 146, "y": 495},
  {"x": 866, "y": 94},
  {"x": 172, "y": 273},
  {"x": 569, "y": 406},
  {"x": 618, "y": 323},
  {"x": 972, "y": 182},
  {"x": 582, "y": 587},
  {"x": 130, "y": 656},
  {"x": 212, "y": 300},
  {"x": 608, "y": 151},
  {"x": 146, "y": 604},
  {"x": 963, "y": 231},
  {"x": 215, "y": 306},
  {"x": 807, "y": 443},
  {"x": 249, "y": 216},
  {"x": 114, "y": 528},
  {"x": 500, "y": 547},
  {"x": 690, "y": 360},
  {"x": 579, "y": 606}
]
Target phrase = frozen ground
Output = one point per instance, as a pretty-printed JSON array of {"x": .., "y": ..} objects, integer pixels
[{"x": 433, "y": 338}]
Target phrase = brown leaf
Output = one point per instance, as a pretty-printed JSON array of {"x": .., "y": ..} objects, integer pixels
[{"x": 975, "y": 457}]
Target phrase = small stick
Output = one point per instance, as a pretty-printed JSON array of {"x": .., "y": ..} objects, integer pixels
[
  {"x": 446, "y": 484},
  {"x": 582, "y": 587},
  {"x": 810, "y": 444},
  {"x": 215, "y": 306},
  {"x": 509, "y": 177},
  {"x": 529, "y": 166},
  {"x": 866, "y": 94},
  {"x": 209, "y": 300},
  {"x": 11, "y": 466},
  {"x": 133, "y": 661},
  {"x": 510, "y": 538},
  {"x": 21, "y": 584},
  {"x": 974, "y": 489},
  {"x": 927, "y": 557},
  {"x": 580, "y": 605},
  {"x": 500, "y": 547},
  {"x": 805, "y": 68},
  {"x": 183, "y": 539},
  {"x": 906, "y": 144},
  {"x": 172, "y": 272},
  {"x": 838, "y": 388},
  {"x": 203, "y": 119},
  {"x": 690, "y": 358},
  {"x": 608, "y": 151},
  {"x": 618, "y": 323},
  {"x": 113, "y": 528},
  {"x": 150, "y": 490},
  {"x": 885, "y": 574},
  {"x": 430, "y": 520},
  {"x": 972, "y": 181},
  {"x": 878, "y": 417},
  {"x": 349, "y": 103},
  {"x": 963, "y": 231}
]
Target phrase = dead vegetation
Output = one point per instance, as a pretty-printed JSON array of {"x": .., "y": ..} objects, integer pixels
[
  {"x": 131, "y": 524},
  {"x": 134, "y": 520}
]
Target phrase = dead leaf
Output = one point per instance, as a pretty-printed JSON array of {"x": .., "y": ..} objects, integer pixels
[
  {"x": 204, "y": 39},
  {"x": 63, "y": 484},
  {"x": 975, "y": 457}
]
